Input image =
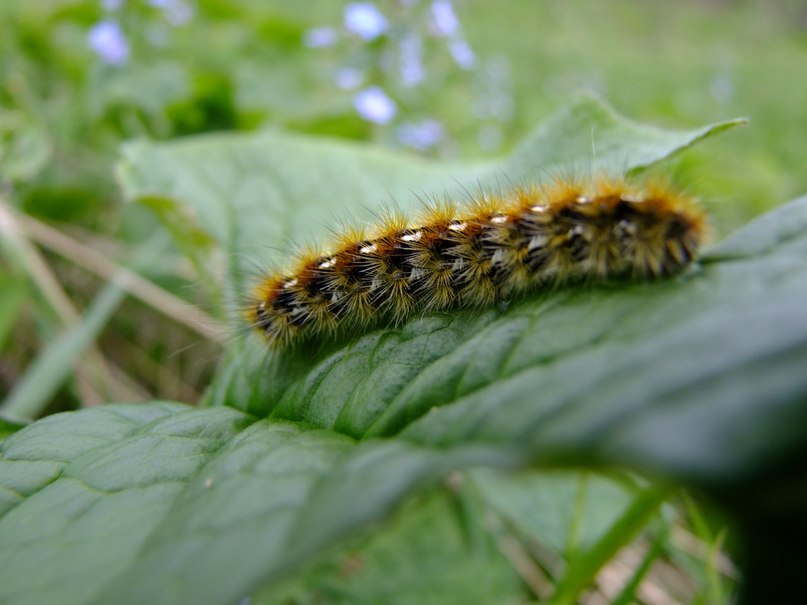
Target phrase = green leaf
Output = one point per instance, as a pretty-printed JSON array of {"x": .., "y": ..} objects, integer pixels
[
  {"x": 590, "y": 136},
  {"x": 207, "y": 504},
  {"x": 82, "y": 491},
  {"x": 665, "y": 376}
]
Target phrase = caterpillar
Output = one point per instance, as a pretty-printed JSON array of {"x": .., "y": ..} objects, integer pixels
[{"x": 495, "y": 248}]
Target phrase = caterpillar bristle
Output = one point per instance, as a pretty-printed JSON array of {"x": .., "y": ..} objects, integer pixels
[{"x": 495, "y": 248}]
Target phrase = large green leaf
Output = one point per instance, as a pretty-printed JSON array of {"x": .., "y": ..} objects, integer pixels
[
  {"x": 698, "y": 378},
  {"x": 596, "y": 356},
  {"x": 206, "y": 504}
]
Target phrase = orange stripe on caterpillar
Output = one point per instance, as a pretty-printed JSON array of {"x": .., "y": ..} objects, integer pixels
[{"x": 497, "y": 248}]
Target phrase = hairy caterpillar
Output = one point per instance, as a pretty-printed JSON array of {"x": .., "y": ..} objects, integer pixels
[{"x": 496, "y": 248}]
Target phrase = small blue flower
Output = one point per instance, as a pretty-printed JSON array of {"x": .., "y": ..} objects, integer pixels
[
  {"x": 365, "y": 20},
  {"x": 444, "y": 20},
  {"x": 462, "y": 53},
  {"x": 420, "y": 135},
  {"x": 107, "y": 40},
  {"x": 722, "y": 88},
  {"x": 375, "y": 106},
  {"x": 349, "y": 77},
  {"x": 177, "y": 12},
  {"x": 412, "y": 70},
  {"x": 320, "y": 37},
  {"x": 112, "y": 5}
]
